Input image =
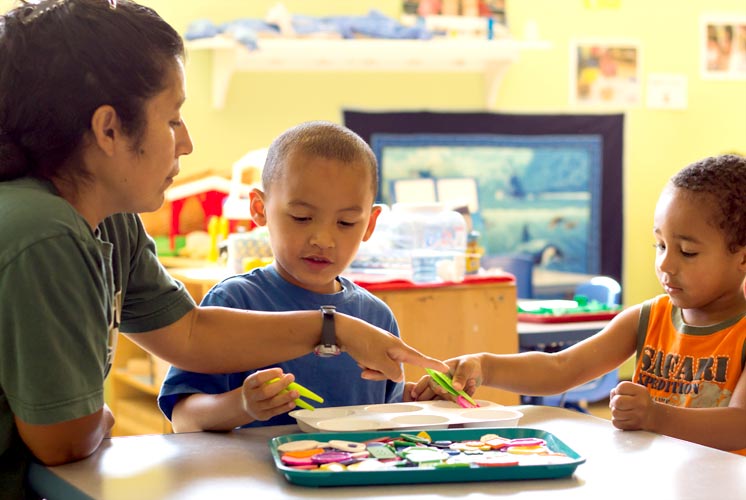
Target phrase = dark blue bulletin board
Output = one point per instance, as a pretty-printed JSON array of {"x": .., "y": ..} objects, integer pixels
[{"x": 549, "y": 186}]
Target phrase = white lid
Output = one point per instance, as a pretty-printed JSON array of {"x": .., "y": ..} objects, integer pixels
[
  {"x": 236, "y": 208},
  {"x": 418, "y": 207}
]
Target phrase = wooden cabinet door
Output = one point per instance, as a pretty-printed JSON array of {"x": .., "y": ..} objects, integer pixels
[{"x": 444, "y": 322}]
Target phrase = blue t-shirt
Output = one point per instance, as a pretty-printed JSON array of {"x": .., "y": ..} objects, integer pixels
[{"x": 336, "y": 379}]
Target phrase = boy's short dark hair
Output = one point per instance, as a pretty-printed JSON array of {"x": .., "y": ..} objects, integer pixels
[
  {"x": 723, "y": 178},
  {"x": 318, "y": 139}
]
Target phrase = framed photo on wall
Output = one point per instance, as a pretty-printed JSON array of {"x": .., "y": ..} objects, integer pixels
[
  {"x": 605, "y": 73},
  {"x": 723, "y": 47}
]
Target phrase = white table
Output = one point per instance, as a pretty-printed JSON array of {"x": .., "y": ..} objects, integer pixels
[{"x": 239, "y": 465}]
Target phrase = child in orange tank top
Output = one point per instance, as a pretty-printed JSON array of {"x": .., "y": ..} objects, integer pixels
[{"x": 690, "y": 342}]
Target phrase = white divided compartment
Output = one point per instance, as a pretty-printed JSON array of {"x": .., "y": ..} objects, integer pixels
[{"x": 414, "y": 415}]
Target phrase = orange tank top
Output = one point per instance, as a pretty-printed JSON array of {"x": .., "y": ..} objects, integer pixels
[{"x": 688, "y": 366}]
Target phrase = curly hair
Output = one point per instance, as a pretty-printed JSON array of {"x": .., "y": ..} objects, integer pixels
[{"x": 723, "y": 178}]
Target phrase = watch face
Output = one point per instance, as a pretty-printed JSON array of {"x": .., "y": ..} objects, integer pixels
[{"x": 327, "y": 351}]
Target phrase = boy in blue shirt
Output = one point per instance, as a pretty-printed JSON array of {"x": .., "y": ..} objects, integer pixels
[{"x": 319, "y": 186}]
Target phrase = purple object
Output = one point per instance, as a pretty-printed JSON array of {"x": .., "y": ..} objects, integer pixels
[{"x": 331, "y": 456}]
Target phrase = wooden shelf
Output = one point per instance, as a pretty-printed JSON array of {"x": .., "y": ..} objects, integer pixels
[
  {"x": 489, "y": 57},
  {"x": 139, "y": 382},
  {"x": 132, "y": 396},
  {"x": 137, "y": 416}
]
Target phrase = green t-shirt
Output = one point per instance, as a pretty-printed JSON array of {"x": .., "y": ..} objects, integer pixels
[{"x": 60, "y": 283}]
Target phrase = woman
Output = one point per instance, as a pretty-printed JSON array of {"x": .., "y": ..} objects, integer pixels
[{"x": 90, "y": 135}]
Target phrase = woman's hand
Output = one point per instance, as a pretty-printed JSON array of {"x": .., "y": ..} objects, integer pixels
[{"x": 378, "y": 352}]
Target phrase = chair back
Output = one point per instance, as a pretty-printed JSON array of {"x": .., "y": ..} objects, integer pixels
[
  {"x": 520, "y": 266},
  {"x": 602, "y": 289}
]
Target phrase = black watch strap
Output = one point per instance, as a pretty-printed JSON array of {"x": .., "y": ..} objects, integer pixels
[
  {"x": 328, "y": 332},
  {"x": 328, "y": 346}
]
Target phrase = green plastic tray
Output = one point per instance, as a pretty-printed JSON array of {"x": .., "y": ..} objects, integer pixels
[{"x": 416, "y": 475}]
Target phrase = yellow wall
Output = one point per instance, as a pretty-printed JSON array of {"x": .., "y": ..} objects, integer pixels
[{"x": 658, "y": 143}]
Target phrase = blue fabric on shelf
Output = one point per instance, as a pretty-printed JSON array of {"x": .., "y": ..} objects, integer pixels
[{"x": 373, "y": 25}]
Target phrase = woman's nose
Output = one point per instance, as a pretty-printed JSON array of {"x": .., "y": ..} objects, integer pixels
[{"x": 184, "y": 144}]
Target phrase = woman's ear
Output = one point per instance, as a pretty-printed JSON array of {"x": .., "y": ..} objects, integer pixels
[
  {"x": 106, "y": 128},
  {"x": 374, "y": 213},
  {"x": 257, "y": 207}
]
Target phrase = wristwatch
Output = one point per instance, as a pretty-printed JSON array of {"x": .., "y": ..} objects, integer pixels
[{"x": 328, "y": 346}]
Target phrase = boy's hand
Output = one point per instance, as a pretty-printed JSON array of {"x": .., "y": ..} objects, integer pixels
[
  {"x": 407, "y": 394},
  {"x": 262, "y": 400},
  {"x": 631, "y": 406},
  {"x": 420, "y": 391},
  {"x": 467, "y": 374}
]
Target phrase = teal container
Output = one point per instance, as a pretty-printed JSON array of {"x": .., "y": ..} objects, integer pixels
[{"x": 429, "y": 475}]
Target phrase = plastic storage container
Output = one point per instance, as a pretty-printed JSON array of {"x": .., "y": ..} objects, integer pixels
[
  {"x": 377, "y": 255},
  {"x": 423, "y": 242}
]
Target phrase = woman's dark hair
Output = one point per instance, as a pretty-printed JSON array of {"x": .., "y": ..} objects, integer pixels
[
  {"x": 62, "y": 59},
  {"x": 723, "y": 178}
]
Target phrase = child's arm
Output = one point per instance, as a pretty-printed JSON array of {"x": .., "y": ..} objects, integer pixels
[
  {"x": 722, "y": 428},
  {"x": 540, "y": 373},
  {"x": 254, "y": 400}
]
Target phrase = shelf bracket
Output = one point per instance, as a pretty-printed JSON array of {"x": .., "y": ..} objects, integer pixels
[{"x": 224, "y": 65}]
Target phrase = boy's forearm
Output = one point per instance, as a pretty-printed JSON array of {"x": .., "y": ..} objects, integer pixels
[
  {"x": 534, "y": 373},
  {"x": 721, "y": 428},
  {"x": 210, "y": 412}
]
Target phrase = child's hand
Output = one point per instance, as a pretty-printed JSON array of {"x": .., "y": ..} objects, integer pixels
[
  {"x": 261, "y": 400},
  {"x": 419, "y": 391},
  {"x": 467, "y": 371},
  {"x": 631, "y": 406}
]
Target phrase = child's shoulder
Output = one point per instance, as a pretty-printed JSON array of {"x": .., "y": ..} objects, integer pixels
[
  {"x": 352, "y": 287},
  {"x": 257, "y": 276},
  {"x": 363, "y": 295}
]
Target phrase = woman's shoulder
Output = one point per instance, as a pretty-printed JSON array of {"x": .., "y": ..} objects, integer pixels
[{"x": 32, "y": 211}]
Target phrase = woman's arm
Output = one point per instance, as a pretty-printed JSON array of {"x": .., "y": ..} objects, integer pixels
[
  {"x": 68, "y": 441},
  {"x": 222, "y": 340}
]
